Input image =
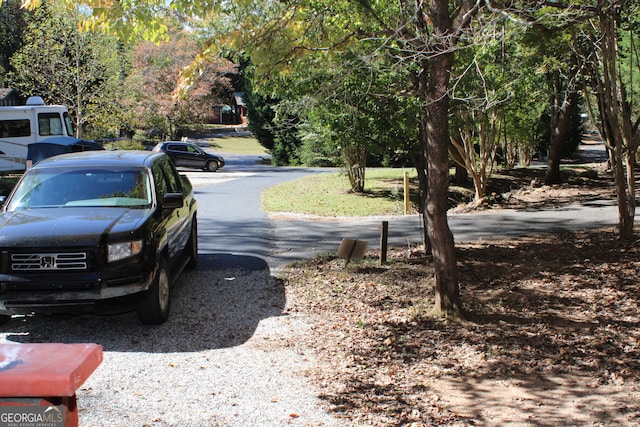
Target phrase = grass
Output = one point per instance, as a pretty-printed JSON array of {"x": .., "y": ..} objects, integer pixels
[
  {"x": 237, "y": 145},
  {"x": 328, "y": 194},
  {"x": 226, "y": 142}
]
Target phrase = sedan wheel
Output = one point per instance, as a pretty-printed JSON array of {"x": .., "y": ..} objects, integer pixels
[
  {"x": 211, "y": 166},
  {"x": 154, "y": 308}
]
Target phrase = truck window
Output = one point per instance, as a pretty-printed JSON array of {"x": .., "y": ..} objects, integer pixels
[
  {"x": 49, "y": 124},
  {"x": 15, "y": 128},
  {"x": 68, "y": 124}
]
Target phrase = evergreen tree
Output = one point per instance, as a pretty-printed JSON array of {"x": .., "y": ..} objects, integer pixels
[
  {"x": 66, "y": 66},
  {"x": 12, "y": 27}
]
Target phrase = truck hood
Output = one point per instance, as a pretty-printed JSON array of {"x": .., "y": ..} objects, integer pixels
[{"x": 68, "y": 226}]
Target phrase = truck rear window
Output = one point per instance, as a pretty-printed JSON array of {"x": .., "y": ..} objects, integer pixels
[{"x": 15, "y": 128}]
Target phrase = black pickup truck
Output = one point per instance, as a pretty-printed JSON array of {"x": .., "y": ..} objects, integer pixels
[{"x": 84, "y": 230}]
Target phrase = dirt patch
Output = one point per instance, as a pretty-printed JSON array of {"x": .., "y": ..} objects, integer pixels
[
  {"x": 552, "y": 334},
  {"x": 524, "y": 188}
]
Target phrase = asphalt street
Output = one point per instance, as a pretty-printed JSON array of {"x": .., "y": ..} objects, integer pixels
[
  {"x": 296, "y": 239},
  {"x": 233, "y": 229}
]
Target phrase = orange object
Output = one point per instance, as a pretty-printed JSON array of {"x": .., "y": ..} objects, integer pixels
[{"x": 46, "y": 374}]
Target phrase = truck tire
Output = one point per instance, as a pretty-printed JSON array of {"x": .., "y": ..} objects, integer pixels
[
  {"x": 191, "y": 250},
  {"x": 154, "y": 308}
]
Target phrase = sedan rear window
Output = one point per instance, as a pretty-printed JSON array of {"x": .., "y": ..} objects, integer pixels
[{"x": 46, "y": 188}]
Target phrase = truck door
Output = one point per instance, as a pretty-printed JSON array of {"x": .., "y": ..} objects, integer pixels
[{"x": 176, "y": 221}]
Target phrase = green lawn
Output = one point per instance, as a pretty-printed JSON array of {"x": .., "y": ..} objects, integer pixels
[
  {"x": 237, "y": 145},
  {"x": 328, "y": 194}
]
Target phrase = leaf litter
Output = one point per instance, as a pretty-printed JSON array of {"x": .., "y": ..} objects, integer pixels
[{"x": 551, "y": 333}]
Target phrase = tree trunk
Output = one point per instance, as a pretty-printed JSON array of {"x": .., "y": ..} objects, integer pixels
[
  {"x": 461, "y": 175},
  {"x": 419, "y": 160},
  {"x": 560, "y": 120},
  {"x": 79, "y": 86},
  {"x": 627, "y": 220},
  {"x": 616, "y": 124},
  {"x": 447, "y": 290},
  {"x": 355, "y": 158}
]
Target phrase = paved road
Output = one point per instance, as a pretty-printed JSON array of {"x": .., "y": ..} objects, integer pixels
[
  {"x": 233, "y": 227},
  {"x": 299, "y": 239}
]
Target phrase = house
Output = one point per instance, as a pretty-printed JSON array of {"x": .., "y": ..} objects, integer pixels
[
  {"x": 234, "y": 113},
  {"x": 9, "y": 97}
]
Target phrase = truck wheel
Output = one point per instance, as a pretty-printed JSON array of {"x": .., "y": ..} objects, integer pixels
[
  {"x": 154, "y": 308},
  {"x": 211, "y": 166},
  {"x": 191, "y": 250}
]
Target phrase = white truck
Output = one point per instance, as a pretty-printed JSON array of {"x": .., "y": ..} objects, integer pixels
[{"x": 27, "y": 124}]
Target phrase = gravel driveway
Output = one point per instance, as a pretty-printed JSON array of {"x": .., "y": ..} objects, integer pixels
[{"x": 222, "y": 358}]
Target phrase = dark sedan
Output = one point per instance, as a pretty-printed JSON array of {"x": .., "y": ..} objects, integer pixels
[
  {"x": 190, "y": 155},
  {"x": 84, "y": 229}
]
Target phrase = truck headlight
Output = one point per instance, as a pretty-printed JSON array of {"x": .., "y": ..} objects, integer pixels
[{"x": 118, "y": 251}]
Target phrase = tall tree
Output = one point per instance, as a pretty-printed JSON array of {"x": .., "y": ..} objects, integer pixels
[
  {"x": 275, "y": 131},
  {"x": 64, "y": 65},
  {"x": 612, "y": 90},
  {"x": 437, "y": 50},
  {"x": 155, "y": 72},
  {"x": 355, "y": 114},
  {"x": 560, "y": 67},
  {"x": 12, "y": 27},
  {"x": 422, "y": 37},
  {"x": 155, "y": 80}
]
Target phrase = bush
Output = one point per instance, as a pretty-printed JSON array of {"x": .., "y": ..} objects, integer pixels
[
  {"x": 124, "y": 144},
  {"x": 7, "y": 182}
]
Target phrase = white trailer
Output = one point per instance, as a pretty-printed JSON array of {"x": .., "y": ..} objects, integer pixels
[{"x": 27, "y": 124}]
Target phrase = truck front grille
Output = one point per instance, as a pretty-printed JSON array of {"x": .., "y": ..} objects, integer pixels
[{"x": 77, "y": 261}]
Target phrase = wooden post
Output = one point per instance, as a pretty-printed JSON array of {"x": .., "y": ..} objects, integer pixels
[
  {"x": 384, "y": 235},
  {"x": 406, "y": 192}
]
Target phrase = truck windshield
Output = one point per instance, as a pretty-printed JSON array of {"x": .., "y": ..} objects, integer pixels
[{"x": 55, "y": 187}]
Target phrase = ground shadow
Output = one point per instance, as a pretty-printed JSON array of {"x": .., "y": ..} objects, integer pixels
[
  {"x": 550, "y": 335},
  {"x": 218, "y": 305}
]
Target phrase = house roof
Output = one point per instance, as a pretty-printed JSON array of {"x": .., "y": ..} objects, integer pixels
[
  {"x": 239, "y": 97},
  {"x": 4, "y": 92},
  {"x": 8, "y": 96}
]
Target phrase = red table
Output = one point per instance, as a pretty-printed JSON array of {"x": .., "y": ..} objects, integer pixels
[{"x": 46, "y": 375}]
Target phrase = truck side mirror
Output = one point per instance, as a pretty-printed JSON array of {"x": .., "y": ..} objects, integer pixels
[{"x": 172, "y": 201}]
